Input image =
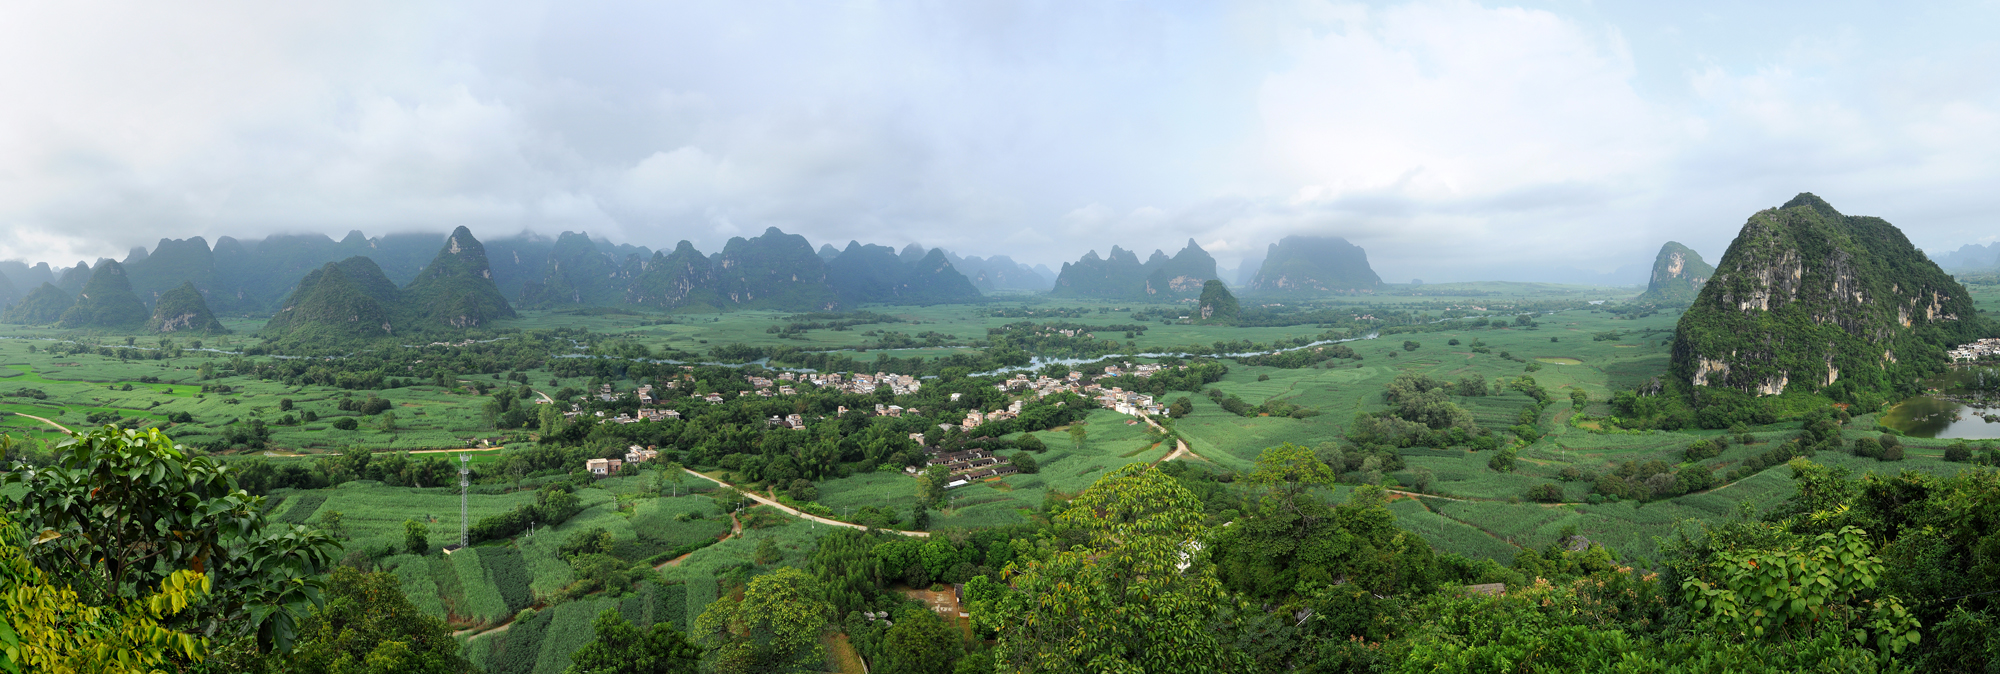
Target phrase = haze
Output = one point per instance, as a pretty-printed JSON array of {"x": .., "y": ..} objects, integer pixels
[{"x": 1559, "y": 141}]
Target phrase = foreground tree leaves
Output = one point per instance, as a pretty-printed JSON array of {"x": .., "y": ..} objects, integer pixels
[
  {"x": 121, "y": 511},
  {"x": 1122, "y": 585}
]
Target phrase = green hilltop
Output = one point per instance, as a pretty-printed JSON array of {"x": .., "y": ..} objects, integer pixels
[
  {"x": 1809, "y": 300},
  {"x": 1678, "y": 275},
  {"x": 1216, "y": 306},
  {"x": 183, "y": 309},
  {"x": 42, "y": 306},
  {"x": 457, "y": 289},
  {"x": 107, "y": 301},
  {"x": 350, "y": 298}
]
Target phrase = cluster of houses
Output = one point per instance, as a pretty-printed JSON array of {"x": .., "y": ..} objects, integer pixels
[
  {"x": 1981, "y": 349},
  {"x": 900, "y": 384},
  {"x": 1115, "y": 398},
  {"x": 609, "y": 467},
  {"x": 966, "y": 466}
]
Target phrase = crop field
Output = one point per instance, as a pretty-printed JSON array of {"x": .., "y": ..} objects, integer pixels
[
  {"x": 1474, "y": 509},
  {"x": 1109, "y": 443}
]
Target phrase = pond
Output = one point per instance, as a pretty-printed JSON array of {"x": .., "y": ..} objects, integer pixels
[{"x": 1927, "y": 417}]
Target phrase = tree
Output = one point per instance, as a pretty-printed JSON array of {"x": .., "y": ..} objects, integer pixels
[
  {"x": 767, "y": 552},
  {"x": 367, "y": 619},
  {"x": 775, "y": 627},
  {"x": 1411, "y": 346},
  {"x": 388, "y": 421},
  {"x": 920, "y": 643},
  {"x": 123, "y": 511},
  {"x": 1549, "y": 492},
  {"x": 416, "y": 537},
  {"x": 621, "y": 648},
  {"x": 45, "y": 624},
  {"x": 592, "y": 541},
  {"x": 1134, "y": 594},
  {"x": 1028, "y": 442},
  {"x": 931, "y": 485},
  {"x": 284, "y": 404},
  {"x": 1077, "y": 434},
  {"x": 672, "y": 474},
  {"x": 1025, "y": 463}
]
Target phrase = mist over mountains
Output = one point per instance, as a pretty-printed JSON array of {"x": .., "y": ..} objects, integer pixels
[{"x": 774, "y": 270}]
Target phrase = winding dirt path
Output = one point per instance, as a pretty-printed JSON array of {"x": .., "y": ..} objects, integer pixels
[
  {"x": 59, "y": 427},
  {"x": 760, "y": 498}
]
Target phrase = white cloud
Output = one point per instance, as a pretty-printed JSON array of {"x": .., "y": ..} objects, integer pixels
[{"x": 1452, "y": 139}]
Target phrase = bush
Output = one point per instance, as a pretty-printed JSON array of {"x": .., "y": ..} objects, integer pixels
[
  {"x": 1025, "y": 463},
  {"x": 1410, "y": 345},
  {"x": 1546, "y": 493},
  {"x": 346, "y": 423},
  {"x": 1893, "y": 454},
  {"x": 1958, "y": 452},
  {"x": 1867, "y": 447}
]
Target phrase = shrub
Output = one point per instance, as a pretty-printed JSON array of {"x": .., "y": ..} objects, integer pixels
[
  {"x": 1893, "y": 454},
  {"x": 1958, "y": 452},
  {"x": 1025, "y": 463},
  {"x": 1453, "y": 342},
  {"x": 1549, "y": 492},
  {"x": 1410, "y": 345},
  {"x": 346, "y": 423},
  {"x": 1867, "y": 447}
]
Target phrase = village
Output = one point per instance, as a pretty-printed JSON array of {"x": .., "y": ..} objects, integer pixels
[
  {"x": 966, "y": 466},
  {"x": 1980, "y": 350}
]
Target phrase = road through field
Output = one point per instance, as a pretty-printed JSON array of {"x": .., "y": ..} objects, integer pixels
[{"x": 796, "y": 513}]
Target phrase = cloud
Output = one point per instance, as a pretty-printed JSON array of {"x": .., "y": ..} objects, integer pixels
[{"x": 1452, "y": 139}]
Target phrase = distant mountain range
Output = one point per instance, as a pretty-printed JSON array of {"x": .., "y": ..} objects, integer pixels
[
  {"x": 402, "y": 284},
  {"x": 1971, "y": 257}
]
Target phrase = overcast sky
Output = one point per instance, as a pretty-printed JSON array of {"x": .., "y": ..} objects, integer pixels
[{"x": 1452, "y": 140}]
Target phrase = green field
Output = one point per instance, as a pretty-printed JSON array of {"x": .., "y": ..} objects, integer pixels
[{"x": 1472, "y": 510}]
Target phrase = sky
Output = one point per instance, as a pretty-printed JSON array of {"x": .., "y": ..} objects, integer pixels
[{"x": 1453, "y": 140}]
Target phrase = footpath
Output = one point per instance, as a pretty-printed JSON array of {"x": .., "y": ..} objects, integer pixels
[{"x": 760, "y": 498}]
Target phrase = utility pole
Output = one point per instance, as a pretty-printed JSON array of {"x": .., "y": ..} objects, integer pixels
[{"x": 464, "y": 501}]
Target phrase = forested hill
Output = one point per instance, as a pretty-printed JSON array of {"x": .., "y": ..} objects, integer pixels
[
  {"x": 353, "y": 298},
  {"x": 1314, "y": 264},
  {"x": 1678, "y": 274},
  {"x": 1808, "y": 299},
  {"x": 1122, "y": 276}
]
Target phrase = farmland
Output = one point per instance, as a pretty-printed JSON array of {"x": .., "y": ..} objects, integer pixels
[{"x": 522, "y": 601}]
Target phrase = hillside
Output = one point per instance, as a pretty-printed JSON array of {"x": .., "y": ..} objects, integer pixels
[
  {"x": 869, "y": 273},
  {"x": 682, "y": 279},
  {"x": 1314, "y": 264},
  {"x": 1184, "y": 275},
  {"x": 350, "y": 298},
  {"x": 9, "y": 293},
  {"x": 1809, "y": 299},
  {"x": 183, "y": 310},
  {"x": 998, "y": 272},
  {"x": 456, "y": 288},
  {"x": 576, "y": 272},
  {"x": 1678, "y": 275},
  {"x": 42, "y": 306},
  {"x": 1216, "y": 305},
  {"x": 1122, "y": 276},
  {"x": 71, "y": 280},
  {"x": 773, "y": 271},
  {"x": 107, "y": 301}
]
